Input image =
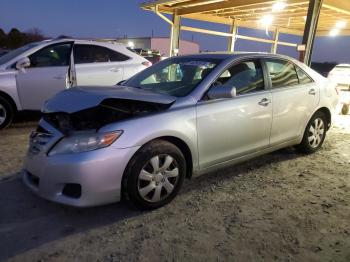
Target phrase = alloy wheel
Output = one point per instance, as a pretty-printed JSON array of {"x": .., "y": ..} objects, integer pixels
[
  {"x": 316, "y": 132},
  {"x": 3, "y": 114},
  {"x": 158, "y": 178}
]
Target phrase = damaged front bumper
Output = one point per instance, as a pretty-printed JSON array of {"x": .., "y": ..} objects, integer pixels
[{"x": 78, "y": 179}]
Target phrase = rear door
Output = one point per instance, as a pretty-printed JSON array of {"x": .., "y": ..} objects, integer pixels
[
  {"x": 46, "y": 76},
  {"x": 295, "y": 96},
  {"x": 98, "y": 65}
]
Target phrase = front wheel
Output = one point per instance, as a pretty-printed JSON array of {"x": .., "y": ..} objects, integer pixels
[
  {"x": 6, "y": 113},
  {"x": 155, "y": 175},
  {"x": 314, "y": 134}
]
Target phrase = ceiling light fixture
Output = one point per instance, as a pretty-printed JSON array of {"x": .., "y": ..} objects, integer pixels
[
  {"x": 334, "y": 32},
  {"x": 340, "y": 24},
  {"x": 266, "y": 20},
  {"x": 278, "y": 6}
]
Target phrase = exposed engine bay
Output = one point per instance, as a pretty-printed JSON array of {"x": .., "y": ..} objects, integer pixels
[{"x": 108, "y": 111}]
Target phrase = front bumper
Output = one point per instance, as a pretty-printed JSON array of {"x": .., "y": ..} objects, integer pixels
[{"x": 92, "y": 178}]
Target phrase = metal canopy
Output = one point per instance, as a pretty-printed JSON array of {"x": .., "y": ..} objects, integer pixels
[
  {"x": 307, "y": 18},
  {"x": 248, "y": 13}
]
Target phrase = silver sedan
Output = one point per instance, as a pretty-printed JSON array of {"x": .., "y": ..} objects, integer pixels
[{"x": 182, "y": 117}]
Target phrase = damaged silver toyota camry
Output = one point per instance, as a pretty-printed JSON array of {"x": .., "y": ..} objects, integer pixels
[{"x": 182, "y": 117}]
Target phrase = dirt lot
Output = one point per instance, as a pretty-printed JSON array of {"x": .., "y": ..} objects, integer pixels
[{"x": 282, "y": 206}]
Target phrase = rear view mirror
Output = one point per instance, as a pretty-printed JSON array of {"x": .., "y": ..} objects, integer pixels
[
  {"x": 23, "y": 63},
  {"x": 222, "y": 91}
]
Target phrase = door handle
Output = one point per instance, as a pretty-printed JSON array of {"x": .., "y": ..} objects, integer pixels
[
  {"x": 312, "y": 92},
  {"x": 264, "y": 102},
  {"x": 115, "y": 69}
]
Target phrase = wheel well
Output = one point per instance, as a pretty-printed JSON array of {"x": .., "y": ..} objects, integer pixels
[
  {"x": 184, "y": 149},
  {"x": 328, "y": 115},
  {"x": 9, "y": 99}
]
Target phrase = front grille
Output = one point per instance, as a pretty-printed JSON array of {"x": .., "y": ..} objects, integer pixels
[{"x": 38, "y": 139}]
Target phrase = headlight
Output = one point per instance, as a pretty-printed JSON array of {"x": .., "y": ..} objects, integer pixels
[{"x": 84, "y": 142}]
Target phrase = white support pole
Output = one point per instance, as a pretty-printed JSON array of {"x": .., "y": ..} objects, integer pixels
[
  {"x": 275, "y": 41},
  {"x": 232, "y": 39},
  {"x": 175, "y": 35}
]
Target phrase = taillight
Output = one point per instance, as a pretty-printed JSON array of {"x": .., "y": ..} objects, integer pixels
[{"x": 147, "y": 63}]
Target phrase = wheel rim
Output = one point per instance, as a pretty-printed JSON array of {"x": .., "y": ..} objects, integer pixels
[
  {"x": 2, "y": 114},
  {"x": 316, "y": 132},
  {"x": 158, "y": 178}
]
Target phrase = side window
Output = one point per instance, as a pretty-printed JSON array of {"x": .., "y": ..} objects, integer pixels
[
  {"x": 282, "y": 73},
  {"x": 246, "y": 76},
  {"x": 54, "y": 55},
  {"x": 303, "y": 77},
  {"x": 84, "y": 54}
]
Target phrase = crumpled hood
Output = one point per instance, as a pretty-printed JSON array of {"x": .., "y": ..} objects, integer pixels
[{"x": 79, "y": 98}]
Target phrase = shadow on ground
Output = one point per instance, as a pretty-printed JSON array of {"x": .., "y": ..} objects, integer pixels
[{"x": 27, "y": 221}]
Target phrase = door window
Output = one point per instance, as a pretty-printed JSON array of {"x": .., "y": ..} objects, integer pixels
[
  {"x": 246, "y": 77},
  {"x": 303, "y": 77},
  {"x": 282, "y": 73},
  {"x": 53, "y": 55},
  {"x": 84, "y": 54}
]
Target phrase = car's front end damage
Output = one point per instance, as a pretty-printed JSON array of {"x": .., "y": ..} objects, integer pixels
[{"x": 71, "y": 158}]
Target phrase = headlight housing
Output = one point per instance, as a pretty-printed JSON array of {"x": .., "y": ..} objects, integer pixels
[{"x": 84, "y": 142}]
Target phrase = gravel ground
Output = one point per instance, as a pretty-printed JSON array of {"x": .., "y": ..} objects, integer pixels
[{"x": 279, "y": 207}]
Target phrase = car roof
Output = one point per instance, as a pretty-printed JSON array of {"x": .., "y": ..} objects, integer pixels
[
  {"x": 234, "y": 55},
  {"x": 80, "y": 40}
]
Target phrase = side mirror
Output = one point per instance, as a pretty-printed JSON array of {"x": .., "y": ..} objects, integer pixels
[
  {"x": 23, "y": 63},
  {"x": 222, "y": 91}
]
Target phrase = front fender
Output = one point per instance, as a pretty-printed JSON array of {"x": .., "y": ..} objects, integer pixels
[
  {"x": 9, "y": 87},
  {"x": 179, "y": 123}
]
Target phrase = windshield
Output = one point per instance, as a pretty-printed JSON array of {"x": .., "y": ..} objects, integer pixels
[
  {"x": 176, "y": 76},
  {"x": 12, "y": 54}
]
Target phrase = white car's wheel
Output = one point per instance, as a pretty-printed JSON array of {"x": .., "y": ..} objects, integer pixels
[{"x": 6, "y": 113}]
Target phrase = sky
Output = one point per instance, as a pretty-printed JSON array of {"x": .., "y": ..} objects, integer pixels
[{"x": 116, "y": 18}]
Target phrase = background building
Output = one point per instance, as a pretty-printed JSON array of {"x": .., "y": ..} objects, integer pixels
[{"x": 160, "y": 43}]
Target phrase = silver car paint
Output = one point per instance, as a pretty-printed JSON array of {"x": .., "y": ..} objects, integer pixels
[
  {"x": 218, "y": 133},
  {"x": 31, "y": 87}
]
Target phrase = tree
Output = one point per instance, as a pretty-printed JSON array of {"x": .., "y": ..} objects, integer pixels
[
  {"x": 3, "y": 38},
  {"x": 15, "y": 38},
  {"x": 34, "y": 35}
]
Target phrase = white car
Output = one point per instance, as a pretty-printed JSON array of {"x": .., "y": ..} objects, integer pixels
[
  {"x": 340, "y": 74},
  {"x": 32, "y": 74}
]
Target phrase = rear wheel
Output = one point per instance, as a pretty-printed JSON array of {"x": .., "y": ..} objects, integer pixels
[
  {"x": 314, "y": 134},
  {"x": 6, "y": 113},
  {"x": 155, "y": 175}
]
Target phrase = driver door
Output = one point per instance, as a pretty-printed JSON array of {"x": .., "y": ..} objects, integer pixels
[
  {"x": 46, "y": 76},
  {"x": 230, "y": 128}
]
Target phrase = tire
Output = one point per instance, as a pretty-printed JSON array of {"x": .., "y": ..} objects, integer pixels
[
  {"x": 6, "y": 113},
  {"x": 313, "y": 140},
  {"x": 154, "y": 175},
  {"x": 345, "y": 109}
]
